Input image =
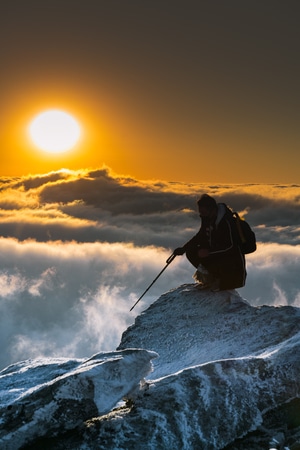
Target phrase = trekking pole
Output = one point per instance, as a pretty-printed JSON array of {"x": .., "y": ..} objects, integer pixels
[{"x": 169, "y": 260}]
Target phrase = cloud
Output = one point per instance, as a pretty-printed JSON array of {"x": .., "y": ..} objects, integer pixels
[
  {"x": 273, "y": 275},
  {"x": 88, "y": 206},
  {"x": 71, "y": 299},
  {"x": 79, "y": 248}
]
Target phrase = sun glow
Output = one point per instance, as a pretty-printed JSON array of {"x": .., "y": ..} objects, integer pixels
[{"x": 54, "y": 131}]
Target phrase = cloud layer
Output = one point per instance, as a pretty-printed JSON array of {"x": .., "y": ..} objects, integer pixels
[{"x": 79, "y": 248}]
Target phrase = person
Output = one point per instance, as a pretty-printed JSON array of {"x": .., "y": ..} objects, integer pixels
[{"x": 214, "y": 250}]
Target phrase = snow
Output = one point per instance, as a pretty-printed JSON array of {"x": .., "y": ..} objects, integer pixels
[
  {"x": 202, "y": 369},
  {"x": 45, "y": 393},
  {"x": 201, "y": 326}
]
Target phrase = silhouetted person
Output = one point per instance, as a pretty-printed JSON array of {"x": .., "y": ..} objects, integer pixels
[{"x": 214, "y": 250}]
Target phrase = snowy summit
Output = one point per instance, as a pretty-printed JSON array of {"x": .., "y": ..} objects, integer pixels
[{"x": 198, "y": 370}]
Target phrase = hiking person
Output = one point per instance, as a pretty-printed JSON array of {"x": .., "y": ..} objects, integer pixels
[{"x": 214, "y": 251}]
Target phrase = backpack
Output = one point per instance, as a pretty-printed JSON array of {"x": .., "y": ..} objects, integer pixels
[{"x": 245, "y": 236}]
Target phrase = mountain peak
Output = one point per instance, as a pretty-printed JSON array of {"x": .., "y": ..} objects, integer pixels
[
  {"x": 225, "y": 375},
  {"x": 188, "y": 326}
]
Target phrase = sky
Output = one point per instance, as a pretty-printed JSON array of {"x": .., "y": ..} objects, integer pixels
[
  {"x": 174, "y": 99},
  {"x": 190, "y": 91}
]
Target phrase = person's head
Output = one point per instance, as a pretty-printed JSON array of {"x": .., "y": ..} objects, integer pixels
[{"x": 207, "y": 206}]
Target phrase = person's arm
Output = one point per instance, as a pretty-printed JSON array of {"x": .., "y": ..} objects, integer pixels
[{"x": 191, "y": 243}]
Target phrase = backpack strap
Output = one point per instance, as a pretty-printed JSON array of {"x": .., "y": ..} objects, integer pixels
[{"x": 238, "y": 226}]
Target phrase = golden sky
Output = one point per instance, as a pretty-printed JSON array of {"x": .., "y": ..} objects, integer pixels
[{"x": 188, "y": 91}]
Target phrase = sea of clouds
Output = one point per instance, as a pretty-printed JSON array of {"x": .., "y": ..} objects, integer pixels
[{"x": 77, "y": 249}]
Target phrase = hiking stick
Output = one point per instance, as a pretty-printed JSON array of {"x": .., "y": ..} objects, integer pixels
[{"x": 169, "y": 260}]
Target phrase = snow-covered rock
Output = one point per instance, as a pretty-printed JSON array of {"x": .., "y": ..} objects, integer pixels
[
  {"x": 47, "y": 397},
  {"x": 225, "y": 371},
  {"x": 189, "y": 327}
]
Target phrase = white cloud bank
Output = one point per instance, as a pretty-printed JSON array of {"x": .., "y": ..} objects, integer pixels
[
  {"x": 71, "y": 299},
  {"x": 78, "y": 249}
]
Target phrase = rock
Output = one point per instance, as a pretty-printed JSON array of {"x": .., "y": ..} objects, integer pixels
[
  {"x": 70, "y": 393},
  {"x": 227, "y": 377}
]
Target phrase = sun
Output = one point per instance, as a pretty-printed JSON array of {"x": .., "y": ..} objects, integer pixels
[{"x": 54, "y": 131}]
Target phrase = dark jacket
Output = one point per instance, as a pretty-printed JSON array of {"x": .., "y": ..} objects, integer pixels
[{"x": 225, "y": 261}]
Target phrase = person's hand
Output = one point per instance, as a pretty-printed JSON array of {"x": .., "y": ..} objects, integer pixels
[
  {"x": 179, "y": 251},
  {"x": 203, "y": 253}
]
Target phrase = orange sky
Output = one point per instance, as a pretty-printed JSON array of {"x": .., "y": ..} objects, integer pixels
[{"x": 189, "y": 91}]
